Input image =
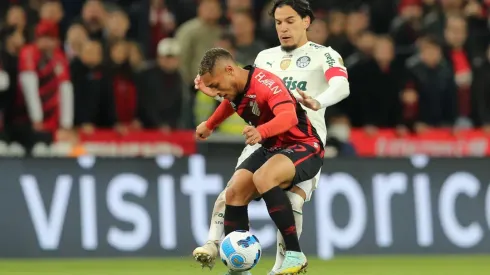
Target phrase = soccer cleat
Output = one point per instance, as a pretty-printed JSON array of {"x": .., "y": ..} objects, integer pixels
[
  {"x": 206, "y": 254},
  {"x": 238, "y": 273},
  {"x": 294, "y": 263}
]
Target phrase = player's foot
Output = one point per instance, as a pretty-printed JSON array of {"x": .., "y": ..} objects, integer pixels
[
  {"x": 294, "y": 263},
  {"x": 238, "y": 273},
  {"x": 206, "y": 254}
]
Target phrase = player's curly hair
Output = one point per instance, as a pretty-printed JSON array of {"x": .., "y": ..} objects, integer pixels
[
  {"x": 302, "y": 7},
  {"x": 210, "y": 58}
]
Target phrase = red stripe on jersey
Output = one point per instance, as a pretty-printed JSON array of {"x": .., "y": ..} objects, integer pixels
[
  {"x": 335, "y": 71},
  {"x": 299, "y": 161}
]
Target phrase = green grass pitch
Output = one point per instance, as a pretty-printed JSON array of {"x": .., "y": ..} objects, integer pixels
[{"x": 443, "y": 265}]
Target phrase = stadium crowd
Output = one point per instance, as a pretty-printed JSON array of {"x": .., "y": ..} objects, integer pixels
[{"x": 412, "y": 64}]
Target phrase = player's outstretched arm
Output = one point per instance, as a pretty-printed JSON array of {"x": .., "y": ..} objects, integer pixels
[{"x": 224, "y": 111}]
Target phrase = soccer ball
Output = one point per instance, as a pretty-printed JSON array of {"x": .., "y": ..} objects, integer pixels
[{"x": 240, "y": 251}]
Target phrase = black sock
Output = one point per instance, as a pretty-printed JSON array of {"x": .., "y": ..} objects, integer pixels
[
  {"x": 281, "y": 212},
  {"x": 236, "y": 218}
]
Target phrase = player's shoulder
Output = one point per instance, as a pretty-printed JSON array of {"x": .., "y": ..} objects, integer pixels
[
  {"x": 29, "y": 48},
  {"x": 270, "y": 51}
]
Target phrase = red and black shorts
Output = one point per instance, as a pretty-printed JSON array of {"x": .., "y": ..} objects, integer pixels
[{"x": 307, "y": 159}]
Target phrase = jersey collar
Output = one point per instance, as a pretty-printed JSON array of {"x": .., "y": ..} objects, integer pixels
[{"x": 236, "y": 102}]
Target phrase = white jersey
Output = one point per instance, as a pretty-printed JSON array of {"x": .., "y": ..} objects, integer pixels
[{"x": 305, "y": 68}]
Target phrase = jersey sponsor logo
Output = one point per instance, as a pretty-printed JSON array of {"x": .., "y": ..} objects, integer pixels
[
  {"x": 255, "y": 108},
  {"x": 303, "y": 62},
  {"x": 329, "y": 59},
  {"x": 285, "y": 64},
  {"x": 270, "y": 83},
  {"x": 269, "y": 63},
  {"x": 316, "y": 46},
  {"x": 251, "y": 96},
  {"x": 292, "y": 84}
]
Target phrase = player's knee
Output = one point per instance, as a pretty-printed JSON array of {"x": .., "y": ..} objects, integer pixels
[{"x": 297, "y": 201}]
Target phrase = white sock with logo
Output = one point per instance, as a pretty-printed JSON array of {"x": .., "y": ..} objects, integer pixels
[
  {"x": 216, "y": 227},
  {"x": 297, "y": 203}
]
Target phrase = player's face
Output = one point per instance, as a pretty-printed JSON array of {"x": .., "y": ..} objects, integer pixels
[
  {"x": 290, "y": 27},
  {"x": 222, "y": 82}
]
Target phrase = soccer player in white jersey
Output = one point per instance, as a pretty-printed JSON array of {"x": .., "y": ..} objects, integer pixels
[{"x": 318, "y": 78}]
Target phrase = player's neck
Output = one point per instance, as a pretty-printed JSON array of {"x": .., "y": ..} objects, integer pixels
[
  {"x": 302, "y": 42},
  {"x": 242, "y": 80}
]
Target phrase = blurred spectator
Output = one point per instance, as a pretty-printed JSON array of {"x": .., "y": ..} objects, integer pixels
[
  {"x": 460, "y": 60},
  {"x": 195, "y": 37},
  {"x": 267, "y": 30},
  {"x": 481, "y": 93},
  {"x": 165, "y": 89},
  {"x": 364, "y": 45},
  {"x": 337, "y": 38},
  {"x": 11, "y": 41},
  {"x": 162, "y": 24},
  {"x": 46, "y": 101},
  {"x": 75, "y": 37},
  {"x": 123, "y": 87},
  {"x": 318, "y": 32},
  {"x": 430, "y": 96},
  {"x": 94, "y": 102},
  {"x": 338, "y": 144},
  {"x": 93, "y": 18},
  {"x": 52, "y": 11},
  {"x": 237, "y": 6},
  {"x": 17, "y": 17},
  {"x": 117, "y": 26},
  {"x": 407, "y": 27},
  {"x": 357, "y": 22},
  {"x": 382, "y": 82},
  {"x": 247, "y": 45}
]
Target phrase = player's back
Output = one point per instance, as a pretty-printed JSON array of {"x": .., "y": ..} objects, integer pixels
[{"x": 263, "y": 93}]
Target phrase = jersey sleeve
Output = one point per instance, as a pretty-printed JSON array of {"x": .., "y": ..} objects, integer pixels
[
  {"x": 333, "y": 64},
  {"x": 278, "y": 97},
  {"x": 27, "y": 59},
  {"x": 64, "y": 74}
]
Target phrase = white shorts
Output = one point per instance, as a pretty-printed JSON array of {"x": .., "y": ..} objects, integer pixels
[{"x": 308, "y": 186}]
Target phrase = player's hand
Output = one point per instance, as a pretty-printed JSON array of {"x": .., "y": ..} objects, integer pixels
[
  {"x": 308, "y": 101},
  {"x": 201, "y": 87},
  {"x": 252, "y": 135},
  {"x": 38, "y": 126},
  {"x": 87, "y": 128},
  {"x": 202, "y": 131}
]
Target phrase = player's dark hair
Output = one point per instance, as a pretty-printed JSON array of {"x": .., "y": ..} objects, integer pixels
[
  {"x": 430, "y": 40},
  {"x": 211, "y": 57},
  {"x": 302, "y": 7}
]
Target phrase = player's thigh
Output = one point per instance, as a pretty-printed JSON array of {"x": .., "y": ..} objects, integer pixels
[
  {"x": 278, "y": 170},
  {"x": 307, "y": 161},
  {"x": 246, "y": 153},
  {"x": 242, "y": 189}
]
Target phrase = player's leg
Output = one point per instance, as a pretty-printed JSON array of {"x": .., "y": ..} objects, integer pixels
[
  {"x": 207, "y": 254},
  {"x": 288, "y": 167},
  {"x": 297, "y": 202}
]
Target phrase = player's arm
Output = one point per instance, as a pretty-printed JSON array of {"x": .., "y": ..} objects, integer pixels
[
  {"x": 29, "y": 83},
  {"x": 67, "y": 108},
  {"x": 336, "y": 77},
  {"x": 224, "y": 111},
  {"x": 285, "y": 117}
]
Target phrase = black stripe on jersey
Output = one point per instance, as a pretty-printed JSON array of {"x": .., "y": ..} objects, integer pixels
[
  {"x": 304, "y": 124},
  {"x": 242, "y": 94},
  {"x": 282, "y": 102},
  {"x": 48, "y": 95},
  {"x": 46, "y": 79}
]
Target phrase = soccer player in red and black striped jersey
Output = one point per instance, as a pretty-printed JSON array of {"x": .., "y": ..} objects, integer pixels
[
  {"x": 45, "y": 99},
  {"x": 291, "y": 152}
]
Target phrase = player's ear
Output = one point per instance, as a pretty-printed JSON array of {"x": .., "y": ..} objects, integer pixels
[
  {"x": 306, "y": 22},
  {"x": 229, "y": 70}
]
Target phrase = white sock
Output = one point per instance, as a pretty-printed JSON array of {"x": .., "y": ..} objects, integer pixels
[
  {"x": 216, "y": 227},
  {"x": 297, "y": 203}
]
